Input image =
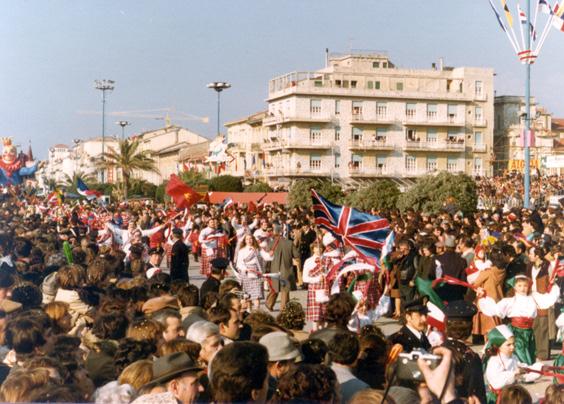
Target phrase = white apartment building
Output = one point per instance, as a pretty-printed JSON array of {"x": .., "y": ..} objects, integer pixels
[
  {"x": 361, "y": 117},
  {"x": 245, "y": 140},
  {"x": 508, "y": 135}
]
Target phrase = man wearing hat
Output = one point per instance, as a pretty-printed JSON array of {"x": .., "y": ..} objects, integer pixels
[
  {"x": 154, "y": 264},
  {"x": 467, "y": 363},
  {"x": 412, "y": 335},
  {"x": 218, "y": 267},
  {"x": 179, "y": 375},
  {"x": 282, "y": 354},
  {"x": 179, "y": 257}
]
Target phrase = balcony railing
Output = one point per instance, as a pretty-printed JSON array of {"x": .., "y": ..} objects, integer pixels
[
  {"x": 378, "y": 143},
  {"x": 369, "y": 172},
  {"x": 480, "y": 148},
  {"x": 448, "y": 145},
  {"x": 316, "y": 117},
  {"x": 433, "y": 119},
  {"x": 480, "y": 122},
  {"x": 306, "y": 143},
  {"x": 297, "y": 171}
]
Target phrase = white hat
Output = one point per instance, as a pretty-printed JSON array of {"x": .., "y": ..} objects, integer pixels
[
  {"x": 328, "y": 238},
  {"x": 279, "y": 346}
]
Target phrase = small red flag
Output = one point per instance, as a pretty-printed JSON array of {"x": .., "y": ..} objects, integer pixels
[
  {"x": 182, "y": 195},
  {"x": 251, "y": 207}
]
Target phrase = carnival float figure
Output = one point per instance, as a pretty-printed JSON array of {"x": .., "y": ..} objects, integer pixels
[{"x": 14, "y": 168}]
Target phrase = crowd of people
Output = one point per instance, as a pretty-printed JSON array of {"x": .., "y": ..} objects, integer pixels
[{"x": 97, "y": 305}]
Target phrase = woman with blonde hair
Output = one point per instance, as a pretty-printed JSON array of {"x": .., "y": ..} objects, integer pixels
[
  {"x": 250, "y": 267},
  {"x": 137, "y": 374},
  {"x": 59, "y": 314}
]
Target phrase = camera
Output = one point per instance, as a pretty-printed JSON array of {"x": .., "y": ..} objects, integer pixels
[{"x": 407, "y": 368}]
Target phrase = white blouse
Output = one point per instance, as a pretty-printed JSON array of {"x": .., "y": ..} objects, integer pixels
[
  {"x": 309, "y": 266},
  {"x": 501, "y": 371},
  {"x": 519, "y": 306},
  {"x": 249, "y": 262}
]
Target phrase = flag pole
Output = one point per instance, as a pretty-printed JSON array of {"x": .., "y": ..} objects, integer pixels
[
  {"x": 526, "y": 43},
  {"x": 536, "y": 17},
  {"x": 545, "y": 33},
  {"x": 527, "y": 179}
]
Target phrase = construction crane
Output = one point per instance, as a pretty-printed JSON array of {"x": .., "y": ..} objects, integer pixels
[{"x": 159, "y": 114}]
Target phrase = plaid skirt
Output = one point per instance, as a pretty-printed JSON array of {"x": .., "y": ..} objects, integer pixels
[
  {"x": 205, "y": 262},
  {"x": 254, "y": 287},
  {"x": 315, "y": 310},
  {"x": 371, "y": 293}
]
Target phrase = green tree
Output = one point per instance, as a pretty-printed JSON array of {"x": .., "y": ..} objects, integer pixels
[
  {"x": 140, "y": 187},
  {"x": 444, "y": 191},
  {"x": 258, "y": 186},
  {"x": 193, "y": 178},
  {"x": 299, "y": 194},
  {"x": 380, "y": 195},
  {"x": 128, "y": 159},
  {"x": 226, "y": 183},
  {"x": 69, "y": 183}
]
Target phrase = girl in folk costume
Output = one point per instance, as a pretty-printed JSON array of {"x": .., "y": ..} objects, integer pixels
[
  {"x": 490, "y": 276},
  {"x": 521, "y": 309},
  {"x": 479, "y": 264},
  {"x": 250, "y": 266},
  {"x": 212, "y": 241},
  {"x": 317, "y": 290},
  {"x": 502, "y": 366}
]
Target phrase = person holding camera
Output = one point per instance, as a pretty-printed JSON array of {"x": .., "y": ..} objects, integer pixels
[{"x": 412, "y": 335}]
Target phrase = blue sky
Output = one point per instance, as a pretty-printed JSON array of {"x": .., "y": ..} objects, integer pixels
[{"x": 163, "y": 53}]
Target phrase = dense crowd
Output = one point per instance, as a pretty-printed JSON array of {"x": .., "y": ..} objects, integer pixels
[{"x": 97, "y": 305}]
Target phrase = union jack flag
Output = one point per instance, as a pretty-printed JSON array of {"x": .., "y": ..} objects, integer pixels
[{"x": 364, "y": 233}]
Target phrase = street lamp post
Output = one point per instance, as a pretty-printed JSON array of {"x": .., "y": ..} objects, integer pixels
[
  {"x": 218, "y": 86},
  {"x": 104, "y": 85},
  {"x": 123, "y": 124}
]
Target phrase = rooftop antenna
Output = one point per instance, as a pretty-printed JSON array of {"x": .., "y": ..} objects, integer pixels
[{"x": 326, "y": 57}]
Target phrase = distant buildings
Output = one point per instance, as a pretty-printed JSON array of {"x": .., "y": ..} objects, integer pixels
[
  {"x": 547, "y": 149},
  {"x": 361, "y": 118}
]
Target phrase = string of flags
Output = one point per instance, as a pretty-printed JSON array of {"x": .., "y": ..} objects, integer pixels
[{"x": 554, "y": 19}]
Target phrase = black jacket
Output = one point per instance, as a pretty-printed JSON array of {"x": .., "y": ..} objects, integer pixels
[
  {"x": 409, "y": 341},
  {"x": 179, "y": 261}
]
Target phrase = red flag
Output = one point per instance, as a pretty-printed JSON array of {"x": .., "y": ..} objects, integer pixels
[
  {"x": 251, "y": 207},
  {"x": 182, "y": 195}
]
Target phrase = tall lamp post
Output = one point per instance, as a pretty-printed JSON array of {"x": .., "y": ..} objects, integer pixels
[
  {"x": 123, "y": 124},
  {"x": 104, "y": 86},
  {"x": 218, "y": 86}
]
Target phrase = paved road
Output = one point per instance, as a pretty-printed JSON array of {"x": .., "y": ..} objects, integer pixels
[{"x": 387, "y": 325}]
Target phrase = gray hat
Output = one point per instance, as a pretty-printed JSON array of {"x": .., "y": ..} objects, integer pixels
[
  {"x": 280, "y": 347},
  {"x": 450, "y": 241},
  {"x": 168, "y": 367}
]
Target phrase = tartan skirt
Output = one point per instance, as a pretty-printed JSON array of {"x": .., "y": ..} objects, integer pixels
[
  {"x": 253, "y": 286},
  {"x": 205, "y": 262},
  {"x": 315, "y": 311}
]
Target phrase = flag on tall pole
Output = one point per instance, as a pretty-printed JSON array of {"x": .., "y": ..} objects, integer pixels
[
  {"x": 508, "y": 15},
  {"x": 503, "y": 27},
  {"x": 83, "y": 190}
]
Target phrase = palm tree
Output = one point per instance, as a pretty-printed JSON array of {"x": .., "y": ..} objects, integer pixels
[
  {"x": 128, "y": 159},
  {"x": 70, "y": 182}
]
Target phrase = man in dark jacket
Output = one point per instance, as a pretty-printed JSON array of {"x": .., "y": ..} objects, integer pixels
[
  {"x": 412, "y": 335},
  {"x": 284, "y": 251},
  {"x": 453, "y": 265},
  {"x": 179, "y": 258}
]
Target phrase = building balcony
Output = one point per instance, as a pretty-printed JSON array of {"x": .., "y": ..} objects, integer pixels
[
  {"x": 307, "y": 143},
  {"x": 297, "y": 172},
  {"x": 480, "y": 148},
  {"x": 480, "y": 123},
  {"x": 447, "y": 146},
  {"x": 313, "y": 117},
  {"x": 432, "y": 120},
  {"x": 371, "y": 144},
  {"x": 362, "y": 119},
  {"x": 363, "y": 172}
]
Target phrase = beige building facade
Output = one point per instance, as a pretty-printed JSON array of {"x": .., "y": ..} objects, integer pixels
[{"x": 361, "y": 118}]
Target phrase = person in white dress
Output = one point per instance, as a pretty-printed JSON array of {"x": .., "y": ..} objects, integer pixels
[{"x": 249, "y": 264}]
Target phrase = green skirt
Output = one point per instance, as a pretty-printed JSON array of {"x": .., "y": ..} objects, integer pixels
[
  {"x": 559, "y": 361},
  {"x": 491, "y": 397},
  {"x": 525, "y": 346}
]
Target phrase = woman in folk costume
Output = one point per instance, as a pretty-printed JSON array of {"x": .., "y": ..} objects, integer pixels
[
  {"x": 521, "y": 309},
  {"x": 317, "y": 290},
  {"x": 213, "y": 246},
  {"x": 501, "y": 364},
  {"x": 249, "y": 264},
  {"x": 490, "y": 276}
]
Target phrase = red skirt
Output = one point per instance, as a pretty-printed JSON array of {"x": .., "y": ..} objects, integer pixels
[
  {"x": 205, "y": 262},
  {"x": 315, "y": 310}
]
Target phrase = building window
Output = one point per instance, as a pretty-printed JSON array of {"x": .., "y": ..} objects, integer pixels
[
  {"x": 376, "y": 85},
  {"x": 410, "y": 163},
  {"x": 455, "y": 137},
  {"x": 381, "y": 135},
  {"x": 399, "y": 86},
  {"x": 345, "y": 84},
  {"x": 315, "y": 162},
  {"x": 381, "y": 164},
  {"x": 353, "y": 83},
  {"x": 315, "y": 135},
  {"x": 381, "y": 110},
  {"x": 478, "y": 139},
  {"x": 431, "y": 135},
  {"x": 431, "y": 164},
  {"x": 478, "y": 168},
  {"x": 410, "y": 110},
  {"x": 318, "y": 83},
  {"x": 384, "y": 65},
  {"x": 356, "y": 161},
  {"x": 478, "y": 115},
  {"x": 337, "y": 160},
  {"x": 452, "y": 164},
  {"x": 432, "y": 112},
  {"x": 376, "y": 65},
  {"x": 478, "y": 88},
  {"x": 357, "y": 108},
  {"x": 356, "y": 134},
  {"x": 452, "y": 109},
  {"x": 411, "y": 135},
  {"x": 337, "y": 133},
  {"x": 338, "y": 83},
  {"x": 315, "y": 107},
  {"x": 370, "y": 85},
  {"x": 337, "y": 107}
]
